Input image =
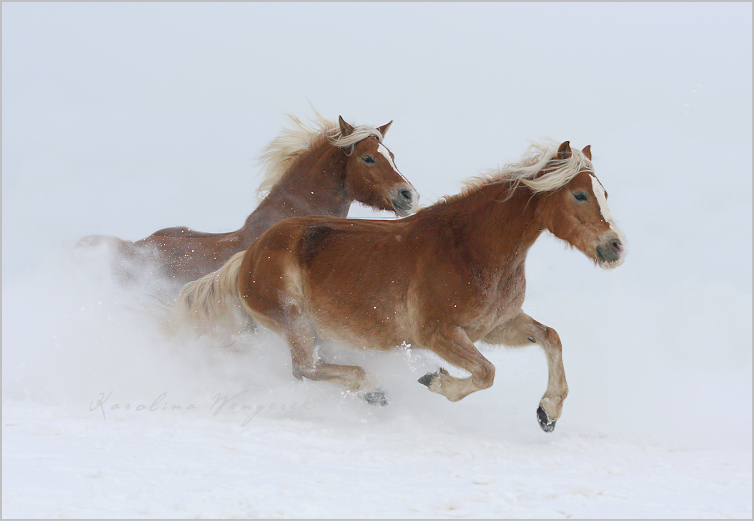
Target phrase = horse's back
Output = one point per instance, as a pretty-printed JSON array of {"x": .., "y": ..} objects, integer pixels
[
  {"x": 305, "y": 239},
  {"x": 182, "y": 231}
]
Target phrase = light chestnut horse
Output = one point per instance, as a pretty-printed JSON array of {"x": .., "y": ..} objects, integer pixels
[
  {"x": 316, "y": 170},
  {"x": 442, "y": 279}
]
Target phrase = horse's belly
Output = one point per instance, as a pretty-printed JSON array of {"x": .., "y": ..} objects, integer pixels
[
  {"x": 496, "y": 313},
  {"x": 367, "y": 326},
  {"x": 362, "y": 339}
]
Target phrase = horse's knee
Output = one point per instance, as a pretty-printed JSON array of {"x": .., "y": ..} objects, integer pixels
[
  {"x": 303, "y": 364},
  {"x": 310, "y": 372},
  {"x": 298, "y": 371},
  {"x": 543, "y": 335},
  {"x": 485, "y": 376},
  {"x": 359, "y": 374},
  {"x": 552, "y": 339}
]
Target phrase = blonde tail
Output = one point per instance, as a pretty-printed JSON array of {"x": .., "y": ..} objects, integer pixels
[{"x": 211, "y": 304}]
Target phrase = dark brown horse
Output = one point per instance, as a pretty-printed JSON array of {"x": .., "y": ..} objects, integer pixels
[
  {"x": 310, "y": 171},
  {"x": 442, "y": 279}
]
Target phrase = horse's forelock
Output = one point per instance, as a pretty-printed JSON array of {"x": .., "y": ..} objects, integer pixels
[
  {"x": 359, "y": 133},
  {"x": 536, "y": 158},
  {"x": 563, "y": 172}
]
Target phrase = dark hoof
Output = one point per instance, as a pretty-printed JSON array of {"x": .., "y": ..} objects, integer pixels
[
  {"x": 427, "y": 378},
  {"x": 375, "y": 397},
  {"x": 545, "y": 422}
]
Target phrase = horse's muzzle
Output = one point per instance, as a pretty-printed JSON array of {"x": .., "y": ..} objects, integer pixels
[
  {"x": 404, "y": 200},
  {"x": 611, "y": 253}
]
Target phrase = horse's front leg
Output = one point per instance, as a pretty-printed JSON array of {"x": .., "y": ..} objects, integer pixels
[
  {"x": 453, "y": 345},
  {"x": 523, "y": 330}
]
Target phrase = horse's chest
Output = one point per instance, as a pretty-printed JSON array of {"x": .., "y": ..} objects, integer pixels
[{"x": 501, "y": 301}]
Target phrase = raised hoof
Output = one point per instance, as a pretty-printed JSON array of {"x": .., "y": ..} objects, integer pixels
[
  {"x": 427, "y": 378},
  {"x": 545, "y": 422},
  {"x": 375, "y": 397}
]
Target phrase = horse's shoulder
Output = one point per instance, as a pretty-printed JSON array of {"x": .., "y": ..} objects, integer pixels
[{"x": 313, "y": 239}]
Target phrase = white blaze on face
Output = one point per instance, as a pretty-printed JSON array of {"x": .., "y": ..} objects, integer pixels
[
  {"x": 382, "y": 149},
  {"x": 599, "y": 193}
]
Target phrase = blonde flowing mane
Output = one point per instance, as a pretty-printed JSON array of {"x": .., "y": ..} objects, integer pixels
[
  {"x": 535, "y": 159},
  {"x": 294, "y": 142}
]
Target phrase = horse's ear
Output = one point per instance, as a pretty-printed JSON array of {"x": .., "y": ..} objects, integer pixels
[
  {"x": 588, "y": 152},
  {"x": 564, "y": 152},
  {"x": 383, "y": 128},
  {"x": 345, "y": 128}
]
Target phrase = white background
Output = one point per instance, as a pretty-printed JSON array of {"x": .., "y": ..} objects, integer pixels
[{"x": 121, "y": 119}]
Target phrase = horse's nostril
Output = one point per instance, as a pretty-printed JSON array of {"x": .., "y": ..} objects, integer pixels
[
  {"x": 610, "y": 250},
  {"x": 407, "y": 195}
]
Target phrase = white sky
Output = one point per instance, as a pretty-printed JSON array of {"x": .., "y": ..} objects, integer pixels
[
  {"x": 122, "y": 119},
  {"x": 126, "y": 118}
]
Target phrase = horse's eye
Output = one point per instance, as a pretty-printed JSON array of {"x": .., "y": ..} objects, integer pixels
[
  {"x": 581, "y": 196},
  {"x": 368, "y": 159}
]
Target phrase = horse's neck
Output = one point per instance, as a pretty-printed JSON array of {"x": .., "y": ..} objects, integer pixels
[
  {"x": 313, "y": 185},
  {"x": 497, "y": 230}
]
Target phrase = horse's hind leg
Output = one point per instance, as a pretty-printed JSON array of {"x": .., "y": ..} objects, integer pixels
[
  {"x": 455, "y": 346},
  {"x": 523, "y": 330},
  {"x": 301, "y": 337}
]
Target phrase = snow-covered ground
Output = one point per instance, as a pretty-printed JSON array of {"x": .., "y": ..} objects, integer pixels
[
  {"x": 104, "y": 417},
  {"x": 383, "y": 464},
  {"x": 122, "y": 119}
]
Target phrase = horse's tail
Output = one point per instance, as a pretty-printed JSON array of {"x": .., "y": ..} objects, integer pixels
[{"x": 212, "y": 303}]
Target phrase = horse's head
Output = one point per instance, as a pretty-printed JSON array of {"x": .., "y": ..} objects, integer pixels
[
  {"x": 372, "y": 177},
  {"x": 577, "y": 212}
]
